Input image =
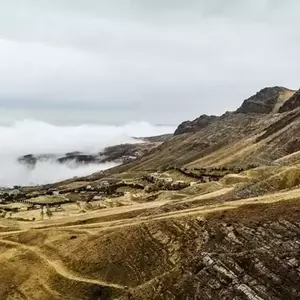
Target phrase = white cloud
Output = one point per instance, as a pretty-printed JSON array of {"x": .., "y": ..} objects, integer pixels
[{"x": 182, "y": 58}]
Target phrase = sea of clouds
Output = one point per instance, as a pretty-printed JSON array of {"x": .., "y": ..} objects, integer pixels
[{"x": 37, "y": 137}]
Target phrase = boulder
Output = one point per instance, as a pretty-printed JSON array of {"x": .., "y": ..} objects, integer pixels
[
  {"x": 89, "y": 188},
  {"x": 151, "y": 188}
]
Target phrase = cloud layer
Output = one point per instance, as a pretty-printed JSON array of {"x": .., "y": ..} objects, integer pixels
[
  {"x": 36, "y": 137},
  {"x": 161, "y": 61}
]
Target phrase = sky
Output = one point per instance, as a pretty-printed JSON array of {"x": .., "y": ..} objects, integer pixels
[{"x": 160, "y": 61}]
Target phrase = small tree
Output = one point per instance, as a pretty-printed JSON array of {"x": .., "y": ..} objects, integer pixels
[
  {"x": 42, "y": 213},
  {"x": 49, "y": 212},
  {"x": 3, "y": 215}
]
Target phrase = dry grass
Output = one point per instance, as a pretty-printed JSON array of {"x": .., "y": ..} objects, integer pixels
[
  {"x": 101, "y": 251},
  {"x": 48, "y": 200}
]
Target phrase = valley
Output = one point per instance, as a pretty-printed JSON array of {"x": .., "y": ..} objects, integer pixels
[{"x": 211, "y": 212}]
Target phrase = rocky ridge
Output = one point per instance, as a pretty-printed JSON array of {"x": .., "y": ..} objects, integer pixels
[
  {"x": 266, "y": 101},
  {"x": 233, "y": 139},
  {"x": 196, "y": 125}
]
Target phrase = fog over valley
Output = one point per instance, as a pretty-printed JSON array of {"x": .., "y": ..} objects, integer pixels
[
  {"x": 40, "y": 138},
  {"x": 72, "y": 73}
]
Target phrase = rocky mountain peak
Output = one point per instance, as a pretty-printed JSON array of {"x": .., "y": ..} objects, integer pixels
[{"x": 267, "y": 100}]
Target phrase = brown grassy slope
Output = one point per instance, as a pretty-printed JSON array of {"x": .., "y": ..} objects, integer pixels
[
  {"x": 196, "y": 245},
  {"x": 25, "y": 274},
  {"x": 200, "y": 254},
  {"x": 279, "y": 138},
  {"x": 186, "y": 148},
  {"x": 270, "y": 180}
]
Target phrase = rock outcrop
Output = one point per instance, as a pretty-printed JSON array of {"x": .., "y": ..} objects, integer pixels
[{"x": 196, "y": 125}]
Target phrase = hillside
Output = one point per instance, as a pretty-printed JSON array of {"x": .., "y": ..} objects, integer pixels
[
  {"x": 235, "y": 138},
  {"x": 211, "y": 213}
]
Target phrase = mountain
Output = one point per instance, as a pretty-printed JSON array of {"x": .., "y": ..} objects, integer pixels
[
  {"x": 254, "y": 134},
  {"x": 266, "y": 101},
  {"x": 209, "y": 213}
]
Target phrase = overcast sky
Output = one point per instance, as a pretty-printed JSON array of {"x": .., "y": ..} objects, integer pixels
[{"x": 162, "y": 61}]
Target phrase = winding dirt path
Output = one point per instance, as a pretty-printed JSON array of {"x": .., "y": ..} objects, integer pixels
[{"x": 59, "y": 268}]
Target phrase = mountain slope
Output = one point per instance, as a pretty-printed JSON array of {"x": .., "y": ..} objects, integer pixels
[
  {"x": 146, "y": 230},
  {"x": 234, "y": 139}
]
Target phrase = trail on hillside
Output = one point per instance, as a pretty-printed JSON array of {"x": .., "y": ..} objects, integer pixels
[
  {"x": 200, "y": 210},
  {"x": 61, "y": 270}
]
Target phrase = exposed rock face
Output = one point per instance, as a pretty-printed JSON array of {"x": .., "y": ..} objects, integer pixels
[
  {"x": 225, "y": 257},
  {"x": 267, "y": 100},
  {"x": 292, "y": 103},
  {"x": 196, "y": 125}
]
